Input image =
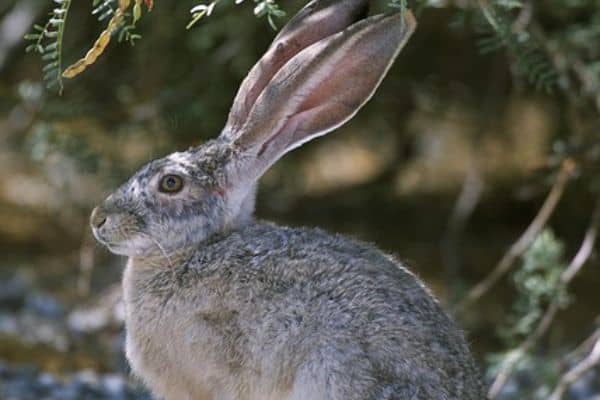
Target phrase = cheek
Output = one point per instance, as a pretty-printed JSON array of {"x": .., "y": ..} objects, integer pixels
[
  {"x": 190, "y": 210},
  {"x": 180, "y": 225},
  {"x": 170, "y": 204},
  {"x": 170, "y": 234},
  {"x": 189, "y": 202}
]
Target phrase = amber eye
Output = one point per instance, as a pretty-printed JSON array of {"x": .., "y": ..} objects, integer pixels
[{"x": 170, "y": 184}]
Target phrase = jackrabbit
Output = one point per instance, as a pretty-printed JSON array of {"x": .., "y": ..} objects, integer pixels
[{"x": 220, "y": 306}]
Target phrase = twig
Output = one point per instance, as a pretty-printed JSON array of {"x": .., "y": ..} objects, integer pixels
[
  {"x": 577, "y": 372},
  {"x": 466, "y": 203},
  {"x": 509, "y": 365},
  {"x": 585, "y": 346},
  {"x": 525, "y": 240},
  {"x": 582, "y": 255},
  {"x": 586, "y": 248},
  {"x": 472, "y": 187}
]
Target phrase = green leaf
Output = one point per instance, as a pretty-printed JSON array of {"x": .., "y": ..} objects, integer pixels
[
  {"x": 33, "y": 47},
  {"x": 32, "y": 36},
  {"x": 49, "y": 66},
  {"x": 51, "y": 46},
  {"x": 50, "y": 56}
]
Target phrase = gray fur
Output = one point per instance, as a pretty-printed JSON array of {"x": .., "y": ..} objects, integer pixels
[{"x": 222, "y": 307}]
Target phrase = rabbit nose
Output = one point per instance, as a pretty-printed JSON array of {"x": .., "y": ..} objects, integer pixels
[{"x": 98, "y": 218}]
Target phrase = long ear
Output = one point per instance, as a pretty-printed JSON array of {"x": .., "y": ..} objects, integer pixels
[
  {"x": 319, "y": 89},
  {"x": 317, "y": 20}
]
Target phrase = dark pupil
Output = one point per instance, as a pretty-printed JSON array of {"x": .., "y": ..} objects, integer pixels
[{"x": 171, "y": 182}]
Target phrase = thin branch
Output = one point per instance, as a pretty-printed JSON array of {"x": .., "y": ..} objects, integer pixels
[
  {"x": 466, "y": 203},
  {"x": 525, "y": 240},
  {"x": 472, "y": 187},
  {"x": 584, "y": 346},
  {"x": 577, "y": 372},
  {"x": 510, "y": 364},
  {"x": 587, "y": 246},
  {"x": 582, "y": 255}
]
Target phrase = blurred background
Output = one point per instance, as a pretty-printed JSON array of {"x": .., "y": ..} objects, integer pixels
[{"x": 476, "y": 163}]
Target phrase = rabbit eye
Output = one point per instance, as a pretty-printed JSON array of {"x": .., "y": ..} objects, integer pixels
[{"x": 170, "y": 184}]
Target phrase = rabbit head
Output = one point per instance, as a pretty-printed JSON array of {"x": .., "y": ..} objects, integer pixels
[{"x": 320, "y": 70}]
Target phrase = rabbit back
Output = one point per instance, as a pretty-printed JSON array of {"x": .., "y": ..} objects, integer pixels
[{"x": 294, "y": 313}]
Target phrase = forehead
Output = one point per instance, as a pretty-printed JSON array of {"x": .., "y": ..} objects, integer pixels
[
  {"x": 179, "y": 162},
  {"x": 204, "y": 163},
  {"x": 182, "y": 159}
]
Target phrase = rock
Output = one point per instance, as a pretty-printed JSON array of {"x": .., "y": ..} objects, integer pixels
[
  {"x": 585, "y": 388},
  {"x": 105, "y": 312},
  {"x": 27, "y": 383},
  {"x": 45, "y": 306},
  {"x": 13, "y": 292}
]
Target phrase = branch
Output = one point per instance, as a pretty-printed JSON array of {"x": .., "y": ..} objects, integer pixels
[
  {"x": 525, "y": 240},
  {"x": 470, "y": 194},
  {"x": 577, "y": 372},
  {"x": 587, "y": 246},
  {"x": 586, "y": 345},
  {"x": 509, "y": 366},
  {"x": 582, "y": 255}
]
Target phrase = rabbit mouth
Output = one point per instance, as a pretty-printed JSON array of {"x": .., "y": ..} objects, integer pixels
[
  {"x": 124, "y": 247},
  {"x": 127, "y": 243},
  {"x": 117, "y": 247},
  {"x": 117, "y": 242}
]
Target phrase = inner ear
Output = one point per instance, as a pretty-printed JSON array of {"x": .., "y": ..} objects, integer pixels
[
  {"x": 317, "y": 20},
  {"x": 324, "y": 85}
]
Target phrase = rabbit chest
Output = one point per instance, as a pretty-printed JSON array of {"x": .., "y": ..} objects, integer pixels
[{"x": 183, "y": 351}]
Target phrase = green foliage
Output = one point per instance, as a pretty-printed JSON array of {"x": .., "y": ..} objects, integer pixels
[
  {"x": 538, "y": 284},
  {"x": 501, "y": 24},
  {"x": 498, "y": 29},
  {"x": 104, "y": 8},
  {"x": 47, "y": 42},
  {"x": 264, "y": 8},
  {"x": 552, "y": 45},
  {"x": 546, "y": 374}
]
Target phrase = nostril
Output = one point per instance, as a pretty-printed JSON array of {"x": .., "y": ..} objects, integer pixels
[{"x": 98, "y": 218}]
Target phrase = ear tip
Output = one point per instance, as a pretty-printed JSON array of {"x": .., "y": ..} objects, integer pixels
[{"x": 400, "y": 29}]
